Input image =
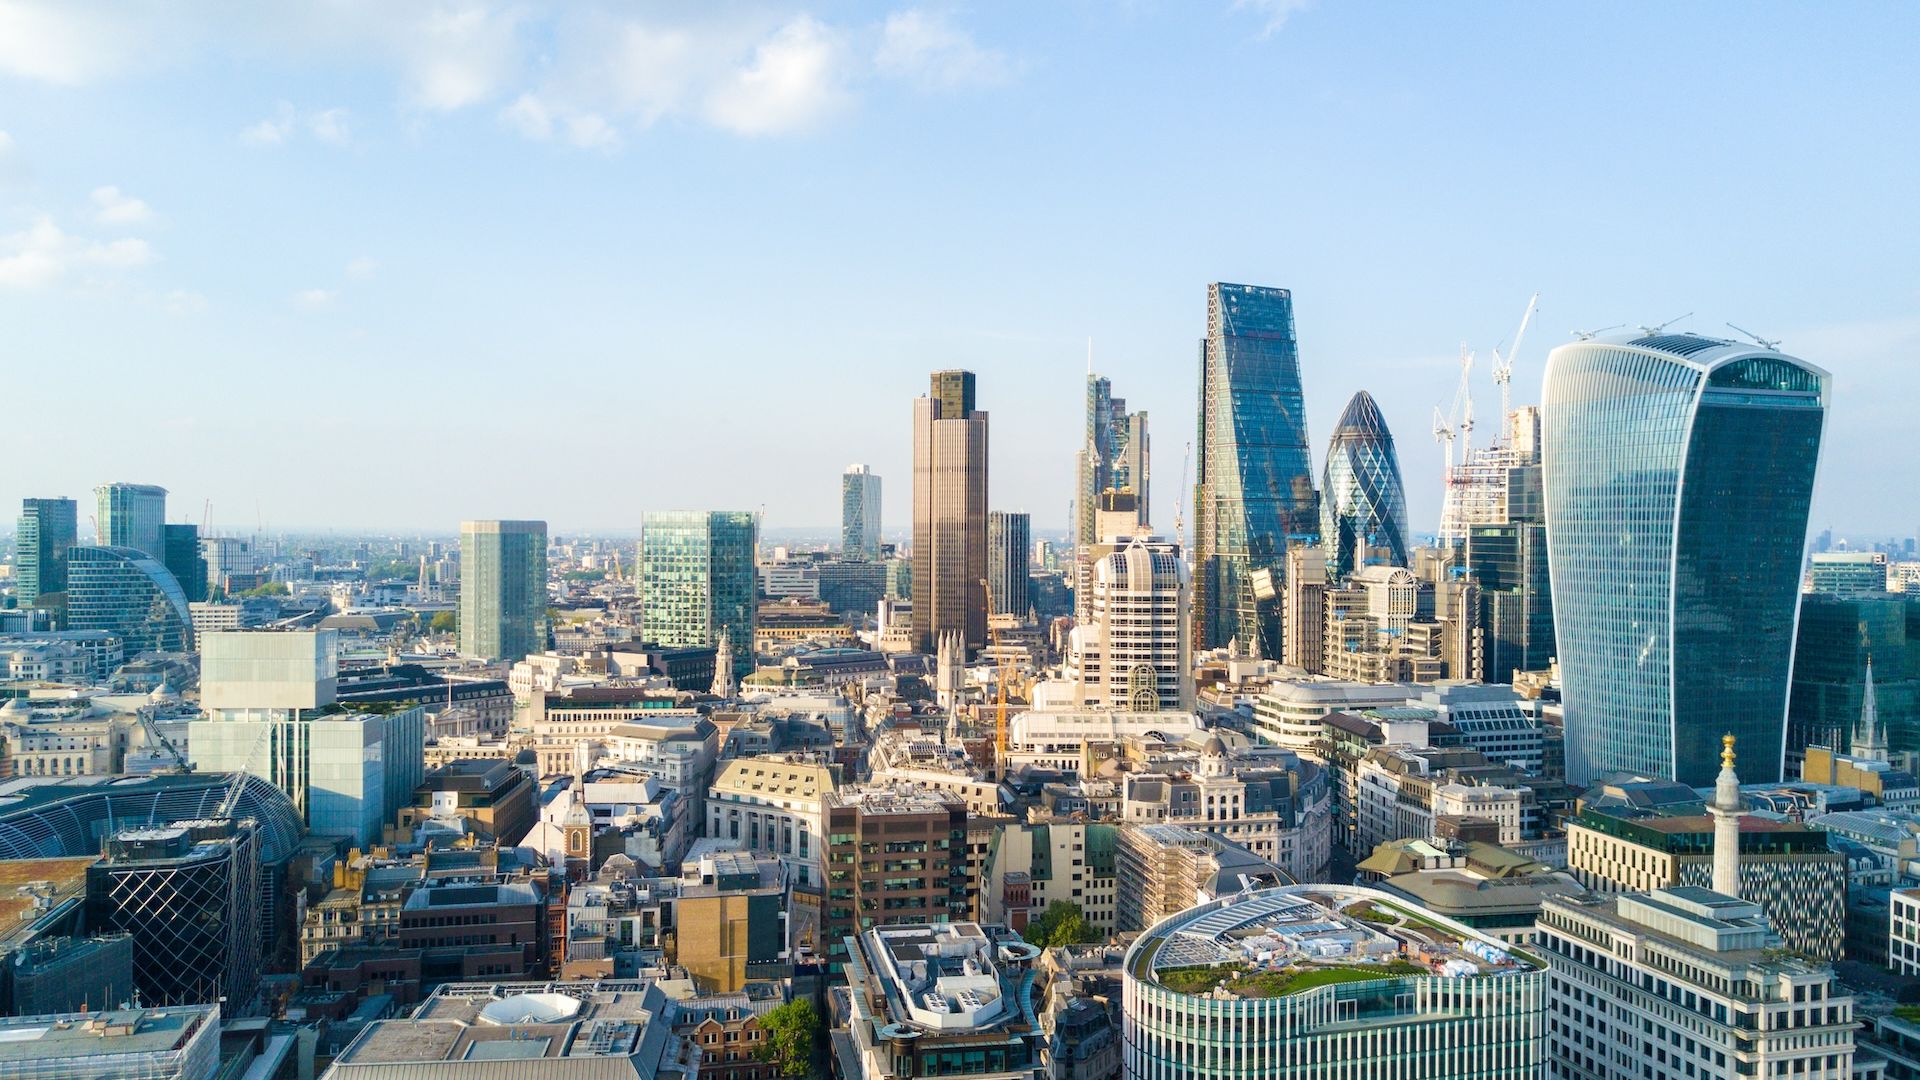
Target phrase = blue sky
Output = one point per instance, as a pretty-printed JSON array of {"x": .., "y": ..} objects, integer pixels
[{"x": 369, "y": 264}]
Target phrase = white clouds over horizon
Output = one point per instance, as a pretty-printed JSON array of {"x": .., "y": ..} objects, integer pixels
[
  {"x": 43, "y": 253},
  {"x": 115, "y": 207}
]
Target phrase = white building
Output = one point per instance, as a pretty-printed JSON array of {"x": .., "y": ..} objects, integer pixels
[
  {"x": 774, "y": 806},
  {"x": 1057, "y": 740},
  {"x": 1132, "y": 649},
  {"x": 1685, "y": 982},
  {"x": 1399, "y": 790},
  {"x": 1489, "y": 719},
  {"x": 1288, "y": 714},
  {"x": 1903, "y": 934}
]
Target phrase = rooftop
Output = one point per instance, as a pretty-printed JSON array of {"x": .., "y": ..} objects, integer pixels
[
  {"x": 567, "y": 1026},
  {"x": 49, "y": 1039},
  {"x": 950, "y": 976}
]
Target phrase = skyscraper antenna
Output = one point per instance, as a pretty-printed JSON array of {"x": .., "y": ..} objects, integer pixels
[{"x": 1089, "y": 355}]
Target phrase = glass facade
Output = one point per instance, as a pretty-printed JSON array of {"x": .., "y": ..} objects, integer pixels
[
  {"x": 1836, "y": 636},
  {"x": 859, "y": 513},
  {"x": 1363, "y": 504},
  {"x": 1114, "y": 457},
  {"x": 697, "y": 580},
  {"x": 45, "y": 531},
  {"x": 949, "y": 556},
  {"x": 181, "y": 554},
  {"x": 1009, "y": 559},
  {"x": 186, "y": 894},
  {"x": 132, "y": 516},
  {"x": 503, "y": 589},
  {"x": 1678, "y": 473},
  {"x": 1508, "y": 560},
  {"x": 127, "y": 592},
  {"x": 1253, "y": 490}
]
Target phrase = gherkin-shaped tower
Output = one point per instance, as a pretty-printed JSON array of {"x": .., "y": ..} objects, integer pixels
[{"x": 1362, "y": 501}]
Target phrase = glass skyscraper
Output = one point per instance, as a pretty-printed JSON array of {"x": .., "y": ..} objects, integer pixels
[
  {"x": 46, "y": 529},
  {"x": 1009, "y": 561},
  {"x": 132, "y": 516},
  {"x": 1678, "y": 473},
  {"x": 503, "y": 589},
  {"x": 697, "y": 580},
  {"x": 1508, "y": 560},
  {"x": 1253, "y": 491},
  {"x": 1115, "y": 456},
  {"x": 859, "y": 513},
  {"x": 1837, "y": 636},
  {"x": 182, "y": 558},
  {"x": 129, "y": 593},
  {"x": 1362, "y": 502}
]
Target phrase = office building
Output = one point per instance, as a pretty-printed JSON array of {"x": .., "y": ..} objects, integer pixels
[
  {"x": 1363, "y": 507},
  {"x": 1479, "y": 488},
  {"x": 1159, "y": 870},
  {"x": 1685, "y": 982},
  {"x": 940, "y": 999},
  {"x": 131, "y": 516},
  {"x": 860, "y": 514},
  {"x": 127, "y": 592},
  {"x": 272, "y": 711},
  {"x": 1326, "y": 981},
  {"x": 698, "y": 581},
  {"x": 233, "y": 565},
  {"x": 1290, "y": 713},
  {"x": 1847, "y": 573},
  {"x": 1477, "y": 882},
  {"x": 182, "y": 558},
  {"x": 1507, "y": 562},
  {"x": 188, "y": 894},
  {"x": 949, "y": 514},
  {"x": 1903, "y": 932},
  {"x": 1647, "y": 835},
  {"x": 1114, "y": 457},
  {"x": 1029, "y": 866},
  {"x": 41, "y": 537},
  {"x": 70, "y": 974},
  {"x": 896, "y": 855},
  {"x": 1678, "y": 474},
  {"x": 1009, "y": 561},
  {"x": 1838, "y": 638},
  {"x": 162, "y": 1043},
  {"x": 587, "y": 1030},
  {"x": 1133, "y": 650},
  {"x": 503, "y": 589},
  {"x": 775, "y": 806},
  {"x": 1253, "y": 485}
]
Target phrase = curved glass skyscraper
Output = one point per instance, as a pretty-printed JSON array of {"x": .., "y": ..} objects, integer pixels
[
  {"x": 127, "y": 592},
  {"x": 1678, "y": 470},
  {"x": 1253, "y": 491},
  {"x": 1362, "y": 502}
]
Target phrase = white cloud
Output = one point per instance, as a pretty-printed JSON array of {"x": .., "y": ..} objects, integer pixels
[
  {"x": 114, "y": 207},
  {"x": 456, "y": 56},
  {"x": 43, "y": 253},
  {"x": 529, "y": 116},
  {"x": 362, "y": 268},
  {"x": 927, "y": 48},
  {"x": 184, "y": 302},
  {"x": 793, "y": 81},
  {"x": 65, "y": 43},
  {"x": 330, "y": 127},
  {"x": 272, "y": 131},
  {"x": 314, "y": 299},
  {"x": 1272, "y": 13},
  {"x": 590, "y": 131}
]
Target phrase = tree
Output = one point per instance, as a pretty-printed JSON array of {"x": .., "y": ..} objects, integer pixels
[
  {"x": 1063, "y": 923},
  {"x": 792, "y": 1031},
  {"x": 444, "y": 622},
  {"x": 271, "y": 588}
]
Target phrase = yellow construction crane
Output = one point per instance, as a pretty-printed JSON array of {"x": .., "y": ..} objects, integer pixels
[{"x": 1000, "y": 676}]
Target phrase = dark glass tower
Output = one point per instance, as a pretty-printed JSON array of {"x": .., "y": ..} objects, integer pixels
[
  {"x": 129, "y": 593},
  {"x": 1678, "y": 473},
  {"x": 1253, "y": 490},
  {"x": 1115, "y": 457},
  {"x": 183, "y": 559},
  {"x": 1508, "y": 560},
  {"x": 1837, "y": 638},
  {"x": 45, "y": 531},
  {"x": 1009, "y": 558},
  {"x": 1362, "y": 502}
]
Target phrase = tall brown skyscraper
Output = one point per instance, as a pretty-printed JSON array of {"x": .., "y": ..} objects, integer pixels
[{"x": 949, "y": 513}]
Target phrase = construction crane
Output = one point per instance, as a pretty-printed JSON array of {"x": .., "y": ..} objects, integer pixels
[
  {"x": 1589, "y": 335},
  {"x": 1000, "y": 677},
  {"x": 1770, "y": 346},
  {"x": 1655, "y": 331},
  {"x": 1503, "y": 365},
  {"x": 155, "y": 739},
  {"x": 1457, "y": 421},
  {"x": 239, "y": 782}
]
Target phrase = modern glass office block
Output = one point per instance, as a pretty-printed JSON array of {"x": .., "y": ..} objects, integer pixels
[
  {"x": 1678, "y": 474},
  {"x": 1253, "y": 491},
  {"x": 859, "y": 513},
  {"x": 127, "y": 592},
  {"x": 1009, "y": 561},
  {"x": 697, "y": 580},
  {"x": 1363, "y": 505},
  {"x": 131, "y": 515},
  {"x": 45, "y": 531},
  {"x": 503, "y": 589}
]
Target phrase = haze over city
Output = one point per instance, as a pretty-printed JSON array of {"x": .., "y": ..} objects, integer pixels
[{"x": 364, "y": 265}]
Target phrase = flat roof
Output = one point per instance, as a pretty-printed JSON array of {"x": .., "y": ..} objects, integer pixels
[{"x": 85, "y": 1035}]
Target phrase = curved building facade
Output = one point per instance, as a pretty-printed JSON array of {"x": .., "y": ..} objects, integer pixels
[
  {"x": 1326, "y": 982},
  {"x": 1253, "y": 488},
  {"x": 1363, "y": 504},
  {"x": 127, "y": 592},
  {"x": 1679, "y": 471}
]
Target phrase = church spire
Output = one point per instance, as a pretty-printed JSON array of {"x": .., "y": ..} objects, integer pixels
[
  {"x": 1869, "y": 738},
  {"x": 723, "y": 664}
]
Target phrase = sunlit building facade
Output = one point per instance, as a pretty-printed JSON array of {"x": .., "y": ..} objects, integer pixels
[
  {"x": 1253, "y": 490},
  {"x": 698, "y": 580},
  {"x": 1363, "y": 505},
  {"x": 949, "y": 513},
  {"x": 503, "y": 588},
  {"x": 127, "y": 592},
  {"x": 859, "y": 513},
  {"x": 41, "y": 537},
  {"x": 132, "y": 516},
  {"x": 1679, "y": 471},
  {"x": 1114, "y": 456}
]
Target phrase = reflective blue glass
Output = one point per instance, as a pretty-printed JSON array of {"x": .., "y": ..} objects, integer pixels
[
  {"x": 1362, "y": 501},
  {"x": 1678, "y": 474}
]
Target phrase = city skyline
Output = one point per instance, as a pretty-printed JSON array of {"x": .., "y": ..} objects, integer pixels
[{"x": 353, "y": 153}]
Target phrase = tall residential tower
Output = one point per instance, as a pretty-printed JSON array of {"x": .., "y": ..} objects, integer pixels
[
  {"x": 949, "y": 513},
  {"x": 1678, "y": 473},
  {"x": 1253, "y": 488},
  {"x": 859, "y": 513}
]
